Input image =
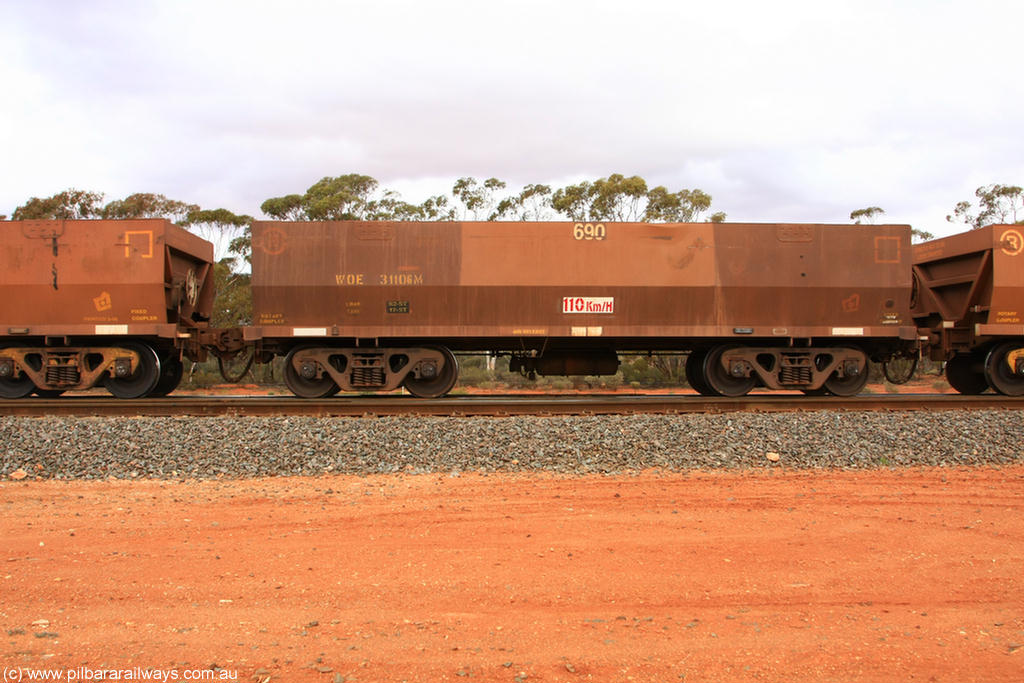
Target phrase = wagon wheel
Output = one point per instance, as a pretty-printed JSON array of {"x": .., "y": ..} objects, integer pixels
[
  {"x": 695, "y": 373},
  {"x": 304, "y": 387},
  {"x": 16, "y": 387},
  {"x": 962, "y": 375},
  {"x": 1001, "y": 368},
  {"x": 437, "y": 386},
  {"x": 141, "y": 382},
  {"x": 171, "y": 372},
  {"x": 899, "y": 370},
  {"x": 718, "y": 378},
  {"x": 850, "y": 385}
]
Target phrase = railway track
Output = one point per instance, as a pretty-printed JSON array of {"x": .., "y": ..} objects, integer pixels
[{"x": 491, "y": 405}]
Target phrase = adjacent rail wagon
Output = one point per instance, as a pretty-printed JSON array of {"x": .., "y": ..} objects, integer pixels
[
  {"x": 969, "y": 304},
  {"x": 372, "y": 306},
  {"x": 109, "y": 303}
]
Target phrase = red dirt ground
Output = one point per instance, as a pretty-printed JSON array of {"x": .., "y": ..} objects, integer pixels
[{"x": 890, "y": 575}]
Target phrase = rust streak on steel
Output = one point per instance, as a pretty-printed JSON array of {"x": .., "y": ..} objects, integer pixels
[{"x": 493, "y": 406}]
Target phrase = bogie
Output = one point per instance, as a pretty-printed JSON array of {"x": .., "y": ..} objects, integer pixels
[
  {"x": 318, "y": 372},
  {"x": 128, "y": 369},
  {"x": 733, "y": 370}
]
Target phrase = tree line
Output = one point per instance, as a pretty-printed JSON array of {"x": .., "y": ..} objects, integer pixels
[
  {"x": 356, "y": 196},
  {"x": 997, "y": 204},
  {"x": 615, "y": 198}
]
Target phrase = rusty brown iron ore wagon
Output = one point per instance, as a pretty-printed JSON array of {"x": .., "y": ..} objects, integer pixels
[
  {"x": 367, "y": 306},
  {"x": 373, "y": 306},
  {"x": 110, "y": 303},
  {"x": 969, "y": 304}
]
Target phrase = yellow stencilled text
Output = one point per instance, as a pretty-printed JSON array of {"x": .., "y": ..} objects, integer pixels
[{"x": 400, "y": 279}]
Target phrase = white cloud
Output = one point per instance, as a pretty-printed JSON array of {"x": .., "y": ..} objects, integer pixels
[{"x": 782, "y": 111}]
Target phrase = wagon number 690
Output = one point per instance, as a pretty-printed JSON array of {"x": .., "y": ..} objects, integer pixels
[{"x": 588, "y": 231}]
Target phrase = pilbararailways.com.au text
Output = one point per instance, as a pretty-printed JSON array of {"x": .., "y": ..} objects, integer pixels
[{"x": 135, "y": 673}]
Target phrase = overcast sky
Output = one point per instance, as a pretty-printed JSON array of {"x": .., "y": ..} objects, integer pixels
[{"x": 782, "y": 111}]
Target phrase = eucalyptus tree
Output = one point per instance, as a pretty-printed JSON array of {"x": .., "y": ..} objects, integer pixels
[
  {"x": 478, "y": 199},
  {"x": 621, "y": 198},
  {"x": 866, "y": 215},
  {"x": 70, "y": 204},
  {"x": 996, "y": 204},
  {"x": 148, "y": 205}
]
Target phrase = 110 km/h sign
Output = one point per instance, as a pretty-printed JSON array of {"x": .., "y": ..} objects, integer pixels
[{"x": 588, "y": 304}]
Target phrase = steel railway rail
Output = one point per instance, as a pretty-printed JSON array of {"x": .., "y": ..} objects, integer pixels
[{"x": 497, "y": 405}]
